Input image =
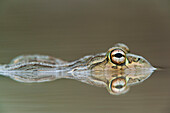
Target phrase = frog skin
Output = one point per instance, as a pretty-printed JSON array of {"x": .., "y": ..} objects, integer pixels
[{"x": 117, "y": 58}]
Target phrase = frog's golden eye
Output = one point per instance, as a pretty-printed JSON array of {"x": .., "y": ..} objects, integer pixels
[{"x": 118, "y": 56}]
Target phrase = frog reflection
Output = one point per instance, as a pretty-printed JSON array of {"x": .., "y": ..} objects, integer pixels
[
  {"x": 119, "y": 82},
  {"x": 115, "y": 82},
  {"x": 118, "y": 85}
]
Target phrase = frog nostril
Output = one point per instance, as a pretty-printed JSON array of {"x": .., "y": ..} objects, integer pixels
[{"x": 138, "y": 59}]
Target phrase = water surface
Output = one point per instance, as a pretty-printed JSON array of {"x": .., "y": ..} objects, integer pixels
[{"x": 71, "y": 29}]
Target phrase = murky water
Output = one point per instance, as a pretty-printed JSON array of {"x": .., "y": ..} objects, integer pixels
[{"x": 72, "y": 29}]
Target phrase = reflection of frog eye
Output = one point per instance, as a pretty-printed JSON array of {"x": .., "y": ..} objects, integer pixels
[
  {"x": 118, "y": 56},
  {"x": 118, "y": 85}
]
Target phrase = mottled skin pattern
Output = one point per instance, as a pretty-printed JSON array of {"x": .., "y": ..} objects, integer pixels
[{"x": 116, "y": 58}]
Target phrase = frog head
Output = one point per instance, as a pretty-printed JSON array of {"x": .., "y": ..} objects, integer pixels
[{"x": 120, "y": 58}]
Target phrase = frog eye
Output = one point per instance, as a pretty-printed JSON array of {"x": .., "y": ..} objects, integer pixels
[
  {"x": 118, "y": 56},
  {"x": 118, "y": 85}
]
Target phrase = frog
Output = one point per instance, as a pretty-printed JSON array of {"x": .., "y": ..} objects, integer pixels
[{"x": 117, "y": 58}]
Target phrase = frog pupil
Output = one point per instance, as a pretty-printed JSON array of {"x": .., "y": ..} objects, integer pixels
[
  {"x": 118, "y": 55},
  {"x": 119, "y": 86}
]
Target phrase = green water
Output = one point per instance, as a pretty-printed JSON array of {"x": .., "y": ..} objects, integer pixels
[{"x": 70, "y": 29}]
